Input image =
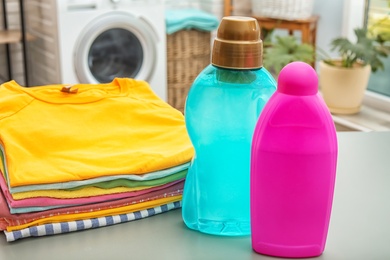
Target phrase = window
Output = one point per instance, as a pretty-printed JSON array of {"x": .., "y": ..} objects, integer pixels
[{"x": 377, "y": 20}]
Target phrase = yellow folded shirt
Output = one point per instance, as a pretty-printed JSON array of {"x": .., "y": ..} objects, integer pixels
[
  {"x": 97, "y": 214},
  {"x": 122, "y": 127}
]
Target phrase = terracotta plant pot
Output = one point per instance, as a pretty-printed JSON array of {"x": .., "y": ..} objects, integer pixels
[{"x": 343, "y": 89}]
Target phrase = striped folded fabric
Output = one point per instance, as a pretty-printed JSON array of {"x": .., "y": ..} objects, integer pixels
[{"x": 66, "y": 227}]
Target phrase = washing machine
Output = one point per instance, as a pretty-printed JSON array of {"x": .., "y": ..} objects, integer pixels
[{"x": 99, "y": 40}]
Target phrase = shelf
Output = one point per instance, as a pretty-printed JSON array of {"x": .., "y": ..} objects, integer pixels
[
  {"x": 10, "y": 36},
  {"x": 13, "y": 36},
  {"x": 367, "y": 120}
]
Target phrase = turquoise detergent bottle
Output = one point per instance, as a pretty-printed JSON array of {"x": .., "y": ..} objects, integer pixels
[{"x": 221, "y": 111}]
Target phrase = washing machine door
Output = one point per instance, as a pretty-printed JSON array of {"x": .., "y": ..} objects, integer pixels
[{"x": 116, "y": 44}]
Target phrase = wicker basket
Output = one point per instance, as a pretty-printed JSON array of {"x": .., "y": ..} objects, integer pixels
[
  {"x": 188, "y": 53},
  {"x": 283, "y": 9}
]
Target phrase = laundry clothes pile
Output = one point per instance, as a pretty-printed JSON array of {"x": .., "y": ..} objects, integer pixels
[{"x": 89, "y": 155}]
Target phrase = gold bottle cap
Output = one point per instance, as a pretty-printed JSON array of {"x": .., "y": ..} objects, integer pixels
[{"x": 238, "y": 44}]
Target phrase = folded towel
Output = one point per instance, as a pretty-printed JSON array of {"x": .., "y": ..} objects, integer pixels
[{"x": 181, "y": 19}]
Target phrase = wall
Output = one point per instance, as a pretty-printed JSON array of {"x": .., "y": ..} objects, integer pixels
[
  {"x": 330, "y": 24},
  {"x": 15, "y": 48}
]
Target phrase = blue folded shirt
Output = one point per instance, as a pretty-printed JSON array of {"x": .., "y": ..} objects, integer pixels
[{"x": 180, "y": 19}]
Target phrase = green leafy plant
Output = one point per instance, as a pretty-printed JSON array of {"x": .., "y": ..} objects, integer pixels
[
  {"x": 283, "y": 50},
  {"x": 368, "y": 49}
]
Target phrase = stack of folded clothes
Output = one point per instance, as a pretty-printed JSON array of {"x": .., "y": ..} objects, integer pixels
[{"x": 86, "y": 156}]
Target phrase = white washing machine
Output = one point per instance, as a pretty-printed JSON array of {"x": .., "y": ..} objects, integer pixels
[{"x": 103, "y": 39}]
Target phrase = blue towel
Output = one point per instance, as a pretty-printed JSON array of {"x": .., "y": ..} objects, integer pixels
[{"x": 180, "y": 19}]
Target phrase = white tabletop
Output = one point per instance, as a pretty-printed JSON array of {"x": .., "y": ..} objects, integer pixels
[{"x": 359, "y": 228}]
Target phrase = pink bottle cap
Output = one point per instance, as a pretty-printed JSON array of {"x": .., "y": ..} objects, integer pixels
[{"x": 298, "y": 79}]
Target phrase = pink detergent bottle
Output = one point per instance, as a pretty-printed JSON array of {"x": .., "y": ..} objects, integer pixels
[{"x": 293, "y": 168}]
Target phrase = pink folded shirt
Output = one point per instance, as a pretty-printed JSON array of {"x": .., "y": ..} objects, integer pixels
[{"x": 48, "y": 201}]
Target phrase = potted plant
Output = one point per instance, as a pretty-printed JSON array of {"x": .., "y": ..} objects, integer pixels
[
  {"x": 343, "y": 81},
  {"x": 283, "y": 50}
]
